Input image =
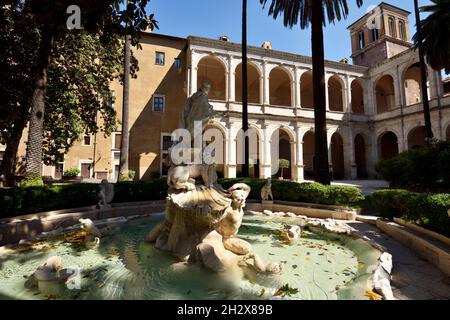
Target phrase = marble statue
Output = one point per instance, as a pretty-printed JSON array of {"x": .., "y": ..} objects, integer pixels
[
  {"x": 202, "y": 219},
  {"x": 92, "y": 236},
  {"x": 197, "y": 108},
  {"x": 105, "y": 194},
  {"x": 266, "y": 191}
]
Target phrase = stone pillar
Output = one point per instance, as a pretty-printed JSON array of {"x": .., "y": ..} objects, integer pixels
[
  {"x": 399, "y": 90},
  {"x": 370, "y": 107},
  {"x": 351, "y": 155},
  {"x": 327, "y": 93},
  {"x": 298, "y": 95},
  {"x": 194, "y": 69},
  {"x": 231, "y": 80},
  {"x": 266, "y": 100},
  {"x": 347, "y": 95},
  {"x": 266, "y": 159},
  {"x": 299, "y": 166}
]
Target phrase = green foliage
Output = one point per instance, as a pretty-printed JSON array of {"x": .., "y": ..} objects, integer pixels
[
  {"x": 302, "y": 192},
  {"x": 31, "y": 180},
  {"x": 421, "y": 169},
  {"x": 19, "y": 201},
  {"x": 428, "y": 210},
  {"x": 284, "y": 164},
  {"x": 128, "y": 176},
  {"x": 72, "y": 172},
  {"x": 286, "y": 290}
]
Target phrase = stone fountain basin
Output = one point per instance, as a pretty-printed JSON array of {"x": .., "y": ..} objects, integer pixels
[{"x": 125, "y": 267}]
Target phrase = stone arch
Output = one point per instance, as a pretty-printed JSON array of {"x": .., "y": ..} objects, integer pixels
[
  {"x": 255, "y": 146},
  {"x": 210, "y": 133},
  {"x": 388, "y": 145},
  {"x": 286, "y": 149},
  {"x": 254, "y": 83},
  {"x": 337, "y": 156},
  {"x": 309, "y": 154},
  {"x": 280, "y": 80},
  {"x": 385, "y": 94},
  {"x": 411, "y": 84},
  {"x": 214, "y": 70},
  {"x": 417, "y": 137},
  {"x": 306, "y": 90},
  {"x": 357, "y": 96},
  {"x": 336, "y": 93},
  {"x": 360, "y": 157}
]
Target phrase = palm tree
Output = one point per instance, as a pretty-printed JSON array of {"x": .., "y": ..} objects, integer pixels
[
  {"x": 305, "y": 13},
  {"x": 245, "y": 167},
  {"x": 125, "y": 142},
  {"x": 435, "y": 30}
]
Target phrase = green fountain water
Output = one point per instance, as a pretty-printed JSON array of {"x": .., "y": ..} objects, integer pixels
[{"x": 317, "y": 266}]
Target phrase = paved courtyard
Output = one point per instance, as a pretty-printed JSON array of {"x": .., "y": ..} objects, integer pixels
[{"x": 412, "y": 277}]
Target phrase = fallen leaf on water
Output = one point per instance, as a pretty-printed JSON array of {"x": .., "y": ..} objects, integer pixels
[
  {"x": 361, "y": 265},
  {"x": 261, "y": 293},
  {"x": 372, "y": 295}
]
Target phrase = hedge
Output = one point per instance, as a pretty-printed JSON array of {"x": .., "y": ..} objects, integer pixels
[
  {"x": 21, "y": 201},
  {"x": 302, "y": 192},
  {"x": 422, "y": 169},
  {"x": 425, "y": 209}
]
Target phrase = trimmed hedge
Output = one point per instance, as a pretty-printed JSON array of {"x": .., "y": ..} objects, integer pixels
[
  {"x": 423, "y": 169},
  {"x": 425, "y": 209},
  {"x": 21, "y": 201},
  {"x": 302, "y": 192}
]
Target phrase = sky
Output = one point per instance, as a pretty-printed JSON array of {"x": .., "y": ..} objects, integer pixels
[{"x": 214, "y": 18}]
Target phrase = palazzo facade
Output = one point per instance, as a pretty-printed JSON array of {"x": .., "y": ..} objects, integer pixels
[{"x": 374, "y": 106}]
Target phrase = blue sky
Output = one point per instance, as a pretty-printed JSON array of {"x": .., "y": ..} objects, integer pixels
[{"x": 213, "y": 18}]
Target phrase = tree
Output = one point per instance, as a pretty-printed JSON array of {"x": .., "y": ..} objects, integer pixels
[
  {"x": 106, "y": 18},
  {"x": 283, "y": 164},
  {"x": 246, "y": 165},
  {"x": 305, "y": 13},
  {"x": 435, "y": 30},
  {"x": 81, "y": 69}
]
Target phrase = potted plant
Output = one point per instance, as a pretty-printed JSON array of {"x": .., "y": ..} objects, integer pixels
[
  {"x": 71, "y": 174},
  {"x": 283, "y": 164}
]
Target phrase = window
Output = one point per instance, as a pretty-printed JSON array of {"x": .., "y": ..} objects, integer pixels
[
  {"x": 401, "y": 30},
  {"x": 361, "y": 40},
  {"x": 117, "y": 141},
  {"x": 116, "y": 155},
  {"x": 177, "y": 63},
  {"x": 87, "y": 140},
  {"x": 160, "y": 58},
  {"x": 392, "y": 26},
  {"x": 375, "y": 35},
  {"x": 166, "y": 144},
  {"x": 158, "y": 103}
]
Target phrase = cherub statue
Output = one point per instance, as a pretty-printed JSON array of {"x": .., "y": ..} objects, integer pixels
[
  {"x": 229, "y": 226},
  {"x": 266, "y": 191}
]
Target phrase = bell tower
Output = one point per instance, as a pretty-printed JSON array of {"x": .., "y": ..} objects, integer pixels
[{"x": 380, "y": 34}]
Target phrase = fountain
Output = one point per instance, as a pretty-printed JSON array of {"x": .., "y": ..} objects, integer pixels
[{"x": 202, "y": 220}]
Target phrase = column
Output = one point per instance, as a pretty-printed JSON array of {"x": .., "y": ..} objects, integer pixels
[
  {"x": 351, "y": 155},
  {"x": 293, "y": 91},
  {"x": 347, "y": 95},
  {"x": 298, "y": 95},
  {"x": 266, "y": 100},
  {"x": 399, "y": 89},
  {"x": 266, "y": 161},
  {"x": 230, "y": 166},
  {"x": 194, "y": 69},
  {"x": 369, "y": 101},
  {"x": 300, "y": 168},
  {"x": 327, "y": 93},
  {"x": 231, "y": 80},
  {"x": 330, "y": 158}
]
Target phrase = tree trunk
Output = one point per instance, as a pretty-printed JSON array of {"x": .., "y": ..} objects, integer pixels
[
  {"x": 35, "y": 133},
  {"x": 124, "y": 148},
  {"x": 245, "y": 167},
  {"x": 322, "y": 174},
  {"x": 8, "y": 166}
]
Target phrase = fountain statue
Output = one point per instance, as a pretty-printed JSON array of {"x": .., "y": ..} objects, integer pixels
[
  {"x": 266, "y": 191},
  {"x": 202, "y": 219}
]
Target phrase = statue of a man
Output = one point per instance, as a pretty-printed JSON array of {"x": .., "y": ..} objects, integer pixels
[{"x": 197, "y": 108}]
